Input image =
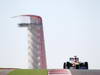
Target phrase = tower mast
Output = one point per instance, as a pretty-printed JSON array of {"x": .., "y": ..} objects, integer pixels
[{"x": 36, "y": 47}]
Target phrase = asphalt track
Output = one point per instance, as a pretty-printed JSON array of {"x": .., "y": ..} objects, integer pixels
[
  {"x": 85, "y": 72},
  {"x": 77, "y": 72}
]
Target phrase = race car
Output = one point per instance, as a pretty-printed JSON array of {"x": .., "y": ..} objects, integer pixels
[{"x": 74, "y": 63}]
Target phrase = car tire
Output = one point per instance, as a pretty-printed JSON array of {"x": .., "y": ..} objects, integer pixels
[
  {"x": 68, "y": 65},
  {"x": 77, "y": 66},
  {"x": 65, "y": 66},
  {"x": 86, "y": 65}
]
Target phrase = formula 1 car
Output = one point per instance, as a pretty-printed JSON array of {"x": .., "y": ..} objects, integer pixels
[{"x": 74, "y": 63}]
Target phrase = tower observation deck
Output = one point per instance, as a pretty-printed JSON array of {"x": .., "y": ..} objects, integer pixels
[{"x": 36, "y": 47}]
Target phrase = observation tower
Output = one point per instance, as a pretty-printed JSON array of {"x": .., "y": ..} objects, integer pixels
[{"x": 36, "y": 47}]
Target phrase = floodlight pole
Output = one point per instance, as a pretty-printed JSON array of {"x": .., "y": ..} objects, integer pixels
[{"x": 36, "y": 49}]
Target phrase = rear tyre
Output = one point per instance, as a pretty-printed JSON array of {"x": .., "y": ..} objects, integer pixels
[
  {"x": 86, "y": 65},
  {"x": 65, "y": 66},
  {"x": 68, "y": 65},
  {"x": 77, "y": 66}
]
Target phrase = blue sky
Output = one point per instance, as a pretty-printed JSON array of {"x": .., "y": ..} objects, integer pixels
[{"x": 71, "y": 27}]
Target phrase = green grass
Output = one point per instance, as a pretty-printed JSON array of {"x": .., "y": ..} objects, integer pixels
[{"x": 29, "y": 72}]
